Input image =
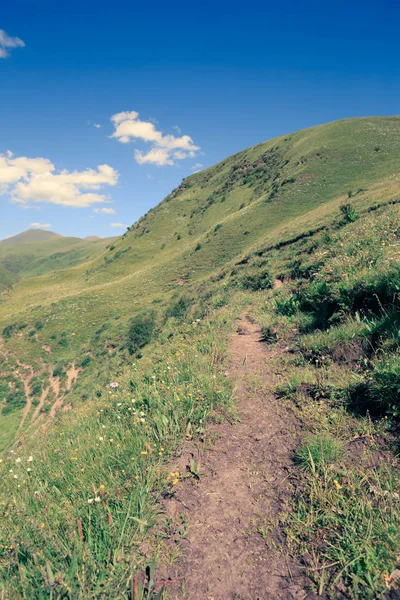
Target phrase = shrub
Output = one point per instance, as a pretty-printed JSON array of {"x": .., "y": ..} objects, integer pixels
[
  {"x": 58, "y": 370},
  {"x": 260, "y": 280},
  {"x": 85, "y": 361},
  {"x": 36, "y": 388},
  {"x": 9, "y": 330},
  {"x": 348, "y": 212},
  {"x": 178, "y": 309},
  {"x": 15, "y": 399},
  {"x": 141, "y": 331}
]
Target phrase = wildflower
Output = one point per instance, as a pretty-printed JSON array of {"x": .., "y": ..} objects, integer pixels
[
  {"x": 119, "y": 404},
  {"x": 114, "y": 384},
  {"x": 1, "y": 460},
  {"x": 102, "y": 486},
  {"x": 29, "y": 470},
  {"x": 144, "y": 452},
  {"x": 97, "y": 499},
  {"x": 142, "y": 414},
  {"x": 90, "y": 500},
  {"x": 337, "y": 484},
  {"x": 142, "y": 420},
  {"x": 15, "y": 476},
  {"x": 101, "y": 438},
  {"x": 30, "y": 459},
  {"x": 18, "y": 460}
]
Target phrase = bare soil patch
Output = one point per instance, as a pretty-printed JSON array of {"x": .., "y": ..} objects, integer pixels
[{"x": 234, "y": 547}]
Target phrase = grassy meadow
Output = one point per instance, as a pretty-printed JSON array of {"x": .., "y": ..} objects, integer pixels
[{"x": 112, "y": 353}]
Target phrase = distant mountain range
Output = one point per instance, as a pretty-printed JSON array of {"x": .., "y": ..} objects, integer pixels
[{"x": 38, "y": 235}]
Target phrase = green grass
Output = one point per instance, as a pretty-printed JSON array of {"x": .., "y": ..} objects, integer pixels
[
  {"x": 318, "y": 451},
  {"x": 79, "y": 509}
]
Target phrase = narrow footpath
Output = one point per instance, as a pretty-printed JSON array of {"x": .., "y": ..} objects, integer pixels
[{"x": 234, "y": 548}]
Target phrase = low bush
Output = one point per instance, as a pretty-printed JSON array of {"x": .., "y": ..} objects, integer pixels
[{"x": 141, "y": 331}]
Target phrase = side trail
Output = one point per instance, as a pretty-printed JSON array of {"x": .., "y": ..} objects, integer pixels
[{"x": 234, "y": 548}]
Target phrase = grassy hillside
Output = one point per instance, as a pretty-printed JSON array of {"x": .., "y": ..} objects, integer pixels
[
  {"x": 303, "y": 209},
  {"x": 28, "y": 257}
]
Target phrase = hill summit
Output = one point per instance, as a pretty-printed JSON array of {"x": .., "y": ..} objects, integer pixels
[{"x": 30, "y": 235}]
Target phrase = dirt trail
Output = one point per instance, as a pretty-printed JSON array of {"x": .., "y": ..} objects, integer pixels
[
  {"x": 26, "y": 379},
  {"x": 72, "y": 375},
  {"x": 234, "y": 549}
]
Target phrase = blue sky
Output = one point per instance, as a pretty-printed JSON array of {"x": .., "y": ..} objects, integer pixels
[{"x": 190, "y": 83}]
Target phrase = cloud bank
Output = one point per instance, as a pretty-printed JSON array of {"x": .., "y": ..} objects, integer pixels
[
  {"x": 40, "y": 225},
  {"x": 36, "y": 180},
  {"x": 7, "y": 42},
  {"x": 165, "y": 149},
  {"x": 105, "y": 211}
]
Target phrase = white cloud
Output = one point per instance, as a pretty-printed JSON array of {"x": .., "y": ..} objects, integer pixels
[
  {"x": 36, "y": 180},
  {"x": 105, "y": 211},
  {"x": 97, "y": 125},
  {"x": 117, "y": 225},
  {"x": 177, "y": 129},
  {"x": 40, "y": 225},
  {"x": 197, "y": 167},
  {"x": 7, "y": 42},
  {"x": 165, "y": 149}
]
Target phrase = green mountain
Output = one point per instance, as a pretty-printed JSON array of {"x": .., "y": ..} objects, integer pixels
[
  {"x": 314, "y": 211},
  {"x": 30, "y": 235}
]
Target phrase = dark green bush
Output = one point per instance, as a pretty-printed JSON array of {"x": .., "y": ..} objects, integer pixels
[
  {"x": 259, "y": 280},
  {"x": 85, "y": 361},
  {"x": 178, "y": 309},
  {"x": 141, "y": 331},
  {"x": 58, "y": 370},
  {"x": 9, "y": 330},
  {"x": 15, "y": 399}
]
